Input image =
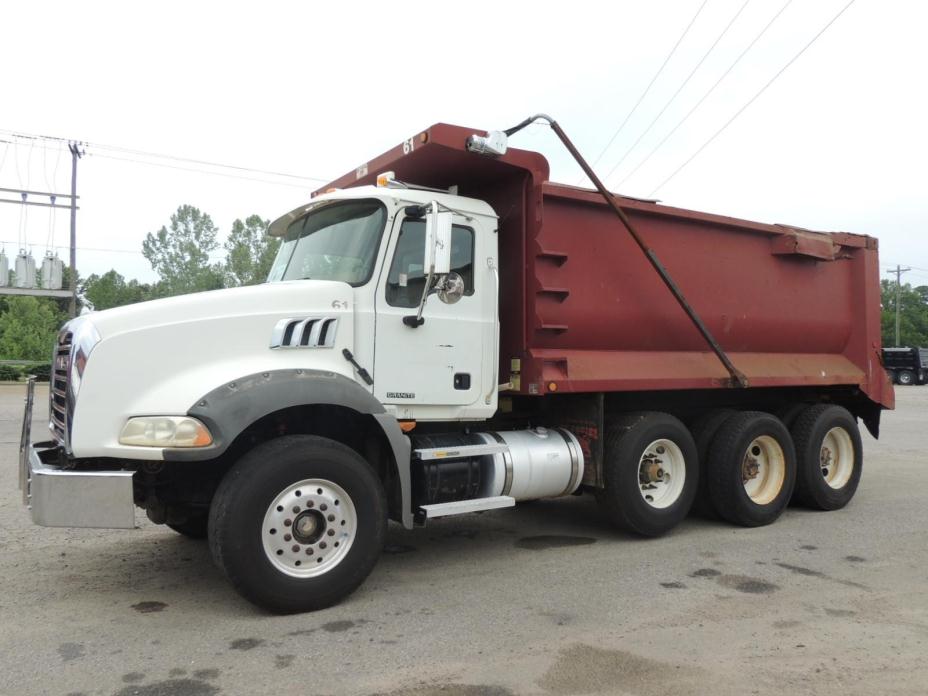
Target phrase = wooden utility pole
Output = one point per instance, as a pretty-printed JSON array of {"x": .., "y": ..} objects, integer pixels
[
  {"x": 76, "y": 155},
  {"x": 898, "y": 270}
]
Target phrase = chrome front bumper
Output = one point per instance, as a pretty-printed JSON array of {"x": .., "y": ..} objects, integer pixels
[{"x": 59, "y": 497}]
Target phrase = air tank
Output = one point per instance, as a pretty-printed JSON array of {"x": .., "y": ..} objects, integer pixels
[
  {"x": 4, "y": 269},
  {"x": 51, "y": 272},
  {"x": 25, "y": 270}
]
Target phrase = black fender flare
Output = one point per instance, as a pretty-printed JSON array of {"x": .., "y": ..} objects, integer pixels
[{"x": 232, "y": 407}]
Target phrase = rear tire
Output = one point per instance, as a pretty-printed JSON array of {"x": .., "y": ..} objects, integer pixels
[
  {"x": 829, "y": 456},
  {"x": 651, "y": 473},
  {"x": 752, "y": 469},
  {"x": 788, "y": 414},
  {"x": 704, "y": 430},
  {"x": 905, "y": 377},
  {"x": 298, "y": 523}
]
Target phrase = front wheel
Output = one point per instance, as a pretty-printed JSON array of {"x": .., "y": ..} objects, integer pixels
[
  {"x": 298, "y": 523},
  {"x": 906, "y": 377}
]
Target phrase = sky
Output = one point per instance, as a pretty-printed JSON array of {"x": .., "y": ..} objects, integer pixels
[{"x": 837, "y": 142}]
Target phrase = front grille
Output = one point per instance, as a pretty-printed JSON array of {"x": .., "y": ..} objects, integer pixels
[{"x": 58, "y": 392}]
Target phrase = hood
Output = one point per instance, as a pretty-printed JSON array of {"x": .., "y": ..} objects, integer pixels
[{"x": 297, "y": 296}]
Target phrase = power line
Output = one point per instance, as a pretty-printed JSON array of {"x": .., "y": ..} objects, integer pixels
[
  {"x": 159, "y": 155},
  {"x": 706, "y": 95},
  {"x": 651, "y": 83},
  {"x": 136, "y": 252},
  {"x": 679, "y": 89},
  {"x": 752, "y": 99},
  {"x": 199, "y": 171}
]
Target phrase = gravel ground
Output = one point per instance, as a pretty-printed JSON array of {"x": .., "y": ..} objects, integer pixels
[{"x": 544, "y": 599}]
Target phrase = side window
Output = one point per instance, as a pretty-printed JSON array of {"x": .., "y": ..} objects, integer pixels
[{"x": 407, "y": 272}]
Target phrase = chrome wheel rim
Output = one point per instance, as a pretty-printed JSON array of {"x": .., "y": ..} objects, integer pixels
[
  {"x": 309, "y": 528},
  {"x": 661, "y": 473},
  {"x": 836, "y": 457},
  {"x": 763, "y": 470}
]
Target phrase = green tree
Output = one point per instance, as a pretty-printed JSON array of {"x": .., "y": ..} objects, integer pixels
[
  {"x": 28, "y": 327},
  {"x": 913, "y": 314},
  {"x": 113, "y": 290},
  {"x": 250, "y": 252},
  {"x": 179, "y": 254}
]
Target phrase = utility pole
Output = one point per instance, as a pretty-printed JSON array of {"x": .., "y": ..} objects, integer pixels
[
  {"x": 898, "y": 270},
  {"x": 76, "y": 154}
]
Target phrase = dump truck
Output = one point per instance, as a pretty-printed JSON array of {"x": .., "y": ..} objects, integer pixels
[
  {"x": 906, "y": 365},
  {"x": 445, "y": 331}
]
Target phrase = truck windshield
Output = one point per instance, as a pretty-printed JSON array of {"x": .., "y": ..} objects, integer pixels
[{"x": 338, "y": 241}]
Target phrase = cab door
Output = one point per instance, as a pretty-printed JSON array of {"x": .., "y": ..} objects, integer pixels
[{"x": 444, "y": 365}]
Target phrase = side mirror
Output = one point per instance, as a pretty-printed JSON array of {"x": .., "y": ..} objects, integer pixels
[
  {"x": 437, "y": 242},
  {"x": 437, "y": 262}
]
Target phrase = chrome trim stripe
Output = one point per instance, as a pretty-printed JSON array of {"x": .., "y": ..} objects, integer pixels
[
  {"x": 430, "y": 453},
  {"x": 576, "y": 457},
  {"x": 507, "y": 462}
]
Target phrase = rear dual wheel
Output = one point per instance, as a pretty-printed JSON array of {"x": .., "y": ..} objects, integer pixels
[
  {"x": 830, "y": 455},
  {"x": 651, "y": 473},
  {"x": 751, "y": 469}
]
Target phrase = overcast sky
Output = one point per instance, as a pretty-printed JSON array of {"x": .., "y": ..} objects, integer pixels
[{"x": 837, "y": 142}]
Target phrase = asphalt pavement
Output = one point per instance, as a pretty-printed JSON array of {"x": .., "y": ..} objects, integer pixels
[{"x": 541, "y": 599}]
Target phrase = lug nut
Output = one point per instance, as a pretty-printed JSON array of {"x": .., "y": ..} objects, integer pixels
[
  {"x": 287, "y": 537},
  {"x": 331, "y": 532},
  {"x": 295, "y": 548}
]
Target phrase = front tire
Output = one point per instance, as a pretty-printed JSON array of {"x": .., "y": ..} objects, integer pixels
[
  {"x": 830, "y": 457},
  {"x": 906, "y": 377},
  {"x": 298, "y": 523},
  {"x": 651, "y": 473}
]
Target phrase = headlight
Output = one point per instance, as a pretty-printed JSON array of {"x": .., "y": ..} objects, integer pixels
[{"x": 165, "y": 431}]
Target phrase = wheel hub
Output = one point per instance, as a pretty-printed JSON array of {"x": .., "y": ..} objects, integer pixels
[
  {"x": 750, "y": 469},
  {"x": 651, "y": 471},
  {"x": 309, "y": 527},
  {"x": 661, "y": 473}
]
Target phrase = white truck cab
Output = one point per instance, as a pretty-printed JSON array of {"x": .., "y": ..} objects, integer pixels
[{"x": 275, "y": 417}]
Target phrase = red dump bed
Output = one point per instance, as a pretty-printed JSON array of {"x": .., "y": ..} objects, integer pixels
[{"x": 583, "y": 310}]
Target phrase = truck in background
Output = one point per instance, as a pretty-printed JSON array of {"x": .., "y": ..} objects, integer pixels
[
  {"x": 445, "y": 331},
  {"x": 906, "y": 365}
]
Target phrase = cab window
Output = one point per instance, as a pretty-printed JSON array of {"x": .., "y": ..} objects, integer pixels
[{"x": 407, "y": 272}]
